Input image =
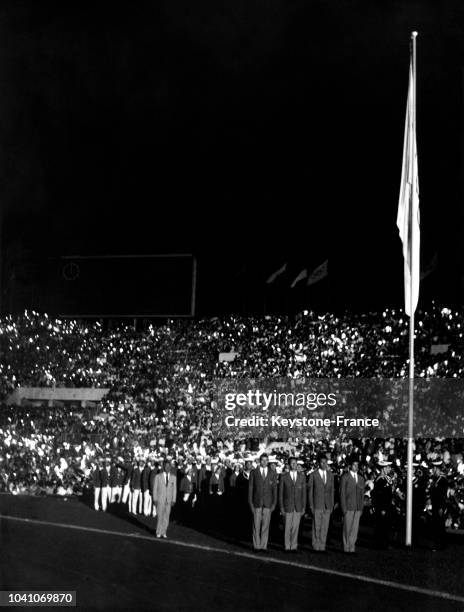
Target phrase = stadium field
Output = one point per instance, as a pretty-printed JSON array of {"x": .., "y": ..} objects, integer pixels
[{"x": 113, "y": 561}]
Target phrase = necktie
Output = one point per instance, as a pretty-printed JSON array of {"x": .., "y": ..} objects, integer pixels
[
  {"x": 294, "y": 476},
  {"x": 264, "y": 475},
  {"x": 325, "y": 477},
  {"x": 166, "y": 479}
]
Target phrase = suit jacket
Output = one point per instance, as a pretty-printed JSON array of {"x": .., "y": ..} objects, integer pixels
[
  {"x": 382, "y": 494},
  {"x": 96, "y": 480},
  {"x": 292, "y": 495},
  {"x": 439, "y": 493},
  {"x": 195, "y": 475},
  {"x": 203, "y": 479},
  {"x": 188, "y": 486},
  {"x": 351, "y": 493},
  {"x": 128, "y": 469},
  {"x": 242, "y": 482},
  {"x": 216, "y": 480},
  {"x": 136, "y": 479},
  {"x": 104, "y": 477},
  {"x": 116, "y": 476},
  {"x": 320, "y": 495},
  {"x": 163, "y": 494},
  {"x": 262, "y": 493},
  {"x": 146, "y": 478}
]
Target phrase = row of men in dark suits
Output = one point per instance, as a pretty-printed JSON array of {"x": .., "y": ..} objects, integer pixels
[
  {"x": 138, "y": 485},
  {"x": 294, "y": 495}
]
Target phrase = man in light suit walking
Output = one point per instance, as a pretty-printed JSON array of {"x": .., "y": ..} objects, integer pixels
[
  {"x": 321, "y": 502},
  {"x": 262, "y": 499},
  {"x": 351, "y": 503},
  {"x": 164, "y": 497},
  {"x": 292, "y": 502}
]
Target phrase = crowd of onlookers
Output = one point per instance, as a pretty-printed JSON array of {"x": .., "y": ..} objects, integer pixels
[{"x": 161, "y": 382}]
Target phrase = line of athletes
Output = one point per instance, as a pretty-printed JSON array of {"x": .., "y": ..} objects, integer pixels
[{"x": 151, "y": 492}]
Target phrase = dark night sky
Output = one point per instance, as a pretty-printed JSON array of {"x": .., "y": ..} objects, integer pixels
[{"x": 249, "y": 132}]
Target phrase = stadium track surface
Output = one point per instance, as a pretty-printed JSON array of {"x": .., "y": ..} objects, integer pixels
[{"x": 112, "y": 571}]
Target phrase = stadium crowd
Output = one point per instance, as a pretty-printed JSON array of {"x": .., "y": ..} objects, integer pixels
[{"x": 161, "y": 399}]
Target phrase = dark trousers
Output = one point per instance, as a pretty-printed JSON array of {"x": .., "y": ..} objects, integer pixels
[
  {"x": 186, "y": 511},
  {"x": 382, "y": 528},
  {"x": 438, "y": 529}
]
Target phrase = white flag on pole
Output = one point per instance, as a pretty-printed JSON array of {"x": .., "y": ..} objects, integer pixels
[
  {"x": 408, "y": 207},
  {"x": 430, "y": 268}
]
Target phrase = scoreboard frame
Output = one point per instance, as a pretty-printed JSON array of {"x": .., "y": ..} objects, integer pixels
[{"x": 191, "y": 314}]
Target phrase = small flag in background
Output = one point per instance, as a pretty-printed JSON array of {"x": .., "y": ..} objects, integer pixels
[
  {"x": 408, "y": 207},
  {"x": 430, "y": 268},
  {"x": 301, "y": 276},
  {"x": 318, "y": 273},
  {"x": 276, "y": 274}
]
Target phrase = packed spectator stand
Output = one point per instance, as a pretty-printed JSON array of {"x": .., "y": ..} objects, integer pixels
[{"x": 161, "y": 380}]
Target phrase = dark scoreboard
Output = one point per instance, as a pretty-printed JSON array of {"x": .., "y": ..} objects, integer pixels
[{"x": 120, "y": 286}]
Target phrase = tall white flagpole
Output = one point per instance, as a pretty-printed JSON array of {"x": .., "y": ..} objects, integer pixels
[{"x": 411, "y": 297}]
